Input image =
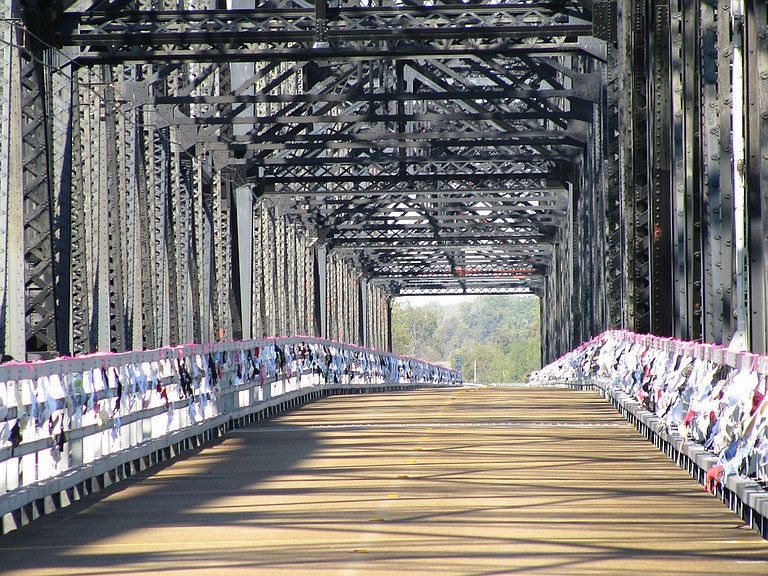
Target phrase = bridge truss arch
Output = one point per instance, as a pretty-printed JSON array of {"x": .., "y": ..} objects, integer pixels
[{"x": 191, "y": 170}]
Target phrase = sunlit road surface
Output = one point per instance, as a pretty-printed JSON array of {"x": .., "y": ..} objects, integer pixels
[{"x": 476, "y": 481}]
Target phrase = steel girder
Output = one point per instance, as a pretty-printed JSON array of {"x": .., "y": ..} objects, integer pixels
[
  {"x": 682, "y": 173},
  {"x": 378, "y": 122},
  {"x": 7, "y": 112},
  {"x": 172, "y": 171},
  {"x": 496, "y": 235},
  {"x": 330, "y": 30},
  {"x": 634, "y": 173},
  {"x": 756, "y": 171},
  {"x": 331, "y": 116},
  {"x": 41, "y": 282}
]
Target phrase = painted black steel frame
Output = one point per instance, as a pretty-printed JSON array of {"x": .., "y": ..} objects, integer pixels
[{"x": 192, "y": 172}]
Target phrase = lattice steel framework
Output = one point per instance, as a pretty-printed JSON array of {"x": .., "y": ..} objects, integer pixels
[
  {"x": 680, "y": 181},
  {"x": 188, "y": 172}
]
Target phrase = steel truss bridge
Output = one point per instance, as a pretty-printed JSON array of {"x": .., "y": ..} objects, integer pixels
[{"x": 188, "y": 170}]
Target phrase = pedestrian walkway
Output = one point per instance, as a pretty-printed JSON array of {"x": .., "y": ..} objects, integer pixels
[{"x": 472, "y": 481}]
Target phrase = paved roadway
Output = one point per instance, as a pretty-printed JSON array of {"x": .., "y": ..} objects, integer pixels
[{"x": 438, "y": 482}]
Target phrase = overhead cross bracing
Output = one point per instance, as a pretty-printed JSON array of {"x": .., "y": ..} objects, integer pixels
[
  {"x": 195, "y": 169},
  {"x": 333, "y": 111},
  {"x": 188, "y": 170},
  {"x": 344, "y": 28}
]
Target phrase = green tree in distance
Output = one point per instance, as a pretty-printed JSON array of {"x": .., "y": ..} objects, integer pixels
[{"x": 500, "y": 333}]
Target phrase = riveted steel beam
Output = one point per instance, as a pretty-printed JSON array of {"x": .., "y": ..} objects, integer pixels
[
  {"x": 40, "y": 306},
  {"x": 435, "y": 147},
  {"x": 538, "y": 20},
  {"x": 756, "y": 40}
]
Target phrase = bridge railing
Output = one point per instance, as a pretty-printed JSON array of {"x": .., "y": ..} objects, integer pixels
[
  {"x": 702, "y": 404},
  {"x": 71, "y": 426}
]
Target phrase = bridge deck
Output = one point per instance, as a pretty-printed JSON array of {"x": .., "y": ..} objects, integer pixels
[{"x": 472, "y": 481}]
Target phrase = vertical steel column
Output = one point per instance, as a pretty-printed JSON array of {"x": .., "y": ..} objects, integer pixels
[
  {"x": 387, "y": 304},
  {"x": 335, "y": 303},
  {"x": 229, "y": 258},
  {"x": 258, "y": 276},
  {"x": 563, "y": 279},
  {"x": 181, "y": 188},
  {"x": 756, "y": 99},
  {"x": 545, "y": 333},
  {"x": 295, "y": 280},
  {"x": 740, "y": 340},
  {"x": 270, "y": 272},
  {"x": 223, "y": 321},
  {"x": 266, "y": 271},
  {"x": 302, "y": 296},
  {"x": 160, "y": 178},
  {"x": 381, "y": 336},
  {"x": 353, "y": 297},
  {"x": 363, "y": 299},
  {"x": 561, "y": 313},
  {"x": 713, "y": 242},
  {"x": 135, "y": 220},
  {"x": 372, "y": 337},
  {"x": 221, "y": 241},
  {"x": 63, "y": 107},
  {"x": 150, "y": 304},
  {"x": 205, "y": 248},
  {"x": 678, "y": 169},
  {"x": 6, "y": 73},
  {"x": 694, "y": 158},
  {"x": 608, "y": 154},
  {"x": 14, "y": 297},
  {"x": 633, "y": 118},
  {"x": 332, "y": 304},
  {"x": 687, "y": 145},
  {"x": 115, "y": 216},
  {"x": 301, "y": 282},
  {"x": 281, "y": 295},
  {"x": 386, "y": 322},
  {"x": 196, "y": 238},
  {"x": 40, "y": 305},
  {"x": 173, "y": 244},
  {"x": 292, "y": 301},
  {"x": 660, "y": 197},
  {"x": 85, "y": 194},
  {"x": 561, "y": 316},
  {"x": 725, "y": 50},
  {"x": 273, "y": 271},
  {"x": 197, "y": 83},
  {"x": 342, "y": 300},
  {"x": 350, "y": 300},
  {"x": 337, "y": 309},
  {"x": 309, "y": 287},
  {"x": 97, "y": 209},
  {"x": 286, "y": 294},
  {"x": 244, "y": 238},
  {"x": 592, "y": 242},
  {"x": 126, "y": 153},
  {"x": 261, "y": 272},
  {"x": 85, "y": 295},
  {"x": 241, "y": 75},
  {"x": 320, "y": 282}
]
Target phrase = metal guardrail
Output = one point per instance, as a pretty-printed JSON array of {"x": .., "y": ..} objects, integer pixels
[
  {"x": 703, "y": 405},
  {"x": 742, "y": 495},
  {"x": 72, "y": 426}
]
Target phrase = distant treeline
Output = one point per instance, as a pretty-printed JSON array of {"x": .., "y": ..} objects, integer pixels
[{"x": 501, "y": 333}]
